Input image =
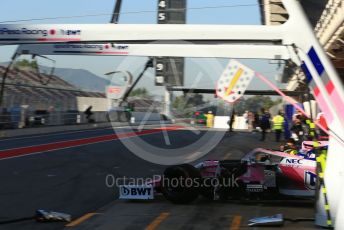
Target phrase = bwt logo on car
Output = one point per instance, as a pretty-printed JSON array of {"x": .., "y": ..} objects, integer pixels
[
  {"x": 26, "y": 31},
  {"x": 136, "y": 191}
]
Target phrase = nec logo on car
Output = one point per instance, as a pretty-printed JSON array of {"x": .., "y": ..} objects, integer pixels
[
  {"x": 293, "y": 161},
  {"x": 136, "y": 192}
]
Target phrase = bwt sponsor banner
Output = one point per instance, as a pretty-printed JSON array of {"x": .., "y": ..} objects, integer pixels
[
  {"x": 72, "y": 48},
  {"x": 137, "y": 192}
]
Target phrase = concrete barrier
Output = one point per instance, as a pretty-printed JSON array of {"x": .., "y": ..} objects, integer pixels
[
  {"x": 139, "y": 117},
  {"x": 148, "y": 118},
  {"x": 221, "y": 122}
]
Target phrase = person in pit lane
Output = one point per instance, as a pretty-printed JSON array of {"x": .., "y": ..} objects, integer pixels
[{"x": 291, "y": 148}]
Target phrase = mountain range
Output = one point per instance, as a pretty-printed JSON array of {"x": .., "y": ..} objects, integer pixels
[{"x": 80, "y": 78}]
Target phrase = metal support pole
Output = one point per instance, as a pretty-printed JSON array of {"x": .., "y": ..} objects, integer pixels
[
  {"x": 168, "y": 95},
  {"x": 116, "y": 12},
  {"x": 4, "y": 76},
  {"x": 149, "y": 64}
]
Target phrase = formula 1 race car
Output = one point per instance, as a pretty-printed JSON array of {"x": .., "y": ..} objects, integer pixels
[{"x": 260, "y": 173}]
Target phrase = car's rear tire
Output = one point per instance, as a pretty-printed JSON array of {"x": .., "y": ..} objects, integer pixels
[{"x": 180, "y": 183}]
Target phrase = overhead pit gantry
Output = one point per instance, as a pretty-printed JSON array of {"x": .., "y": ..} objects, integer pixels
[{"x": 293, "y": 40}]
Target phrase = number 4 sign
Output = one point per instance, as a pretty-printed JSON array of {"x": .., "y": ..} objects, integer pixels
[{"x": 234, "y": 81}]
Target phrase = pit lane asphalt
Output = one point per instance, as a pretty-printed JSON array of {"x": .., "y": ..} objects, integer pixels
[{"x": 73, "y": 181}]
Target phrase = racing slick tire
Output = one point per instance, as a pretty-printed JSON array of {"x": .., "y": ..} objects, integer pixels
[{"x": 178, "y": 185}]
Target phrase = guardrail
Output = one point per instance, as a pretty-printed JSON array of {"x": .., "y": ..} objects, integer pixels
[
  {"x": 26, "y": 119},
  {"x": 30, "y": 119}
]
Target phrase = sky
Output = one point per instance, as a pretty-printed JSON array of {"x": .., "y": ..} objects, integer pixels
[{"x": 205, "y": 71}]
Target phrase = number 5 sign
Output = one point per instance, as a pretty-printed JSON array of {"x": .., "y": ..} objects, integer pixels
[
  {"x": 162, "y": 11},
  {"x": 234, "y": 81}
]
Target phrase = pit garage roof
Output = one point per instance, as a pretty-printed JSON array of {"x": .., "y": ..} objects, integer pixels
[
  {"x": 273, "y": 12},
  {"x": 327, "y": 18}
]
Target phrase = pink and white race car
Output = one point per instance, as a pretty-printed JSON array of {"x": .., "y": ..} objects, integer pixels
[{"x": 261, "y": 172}]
